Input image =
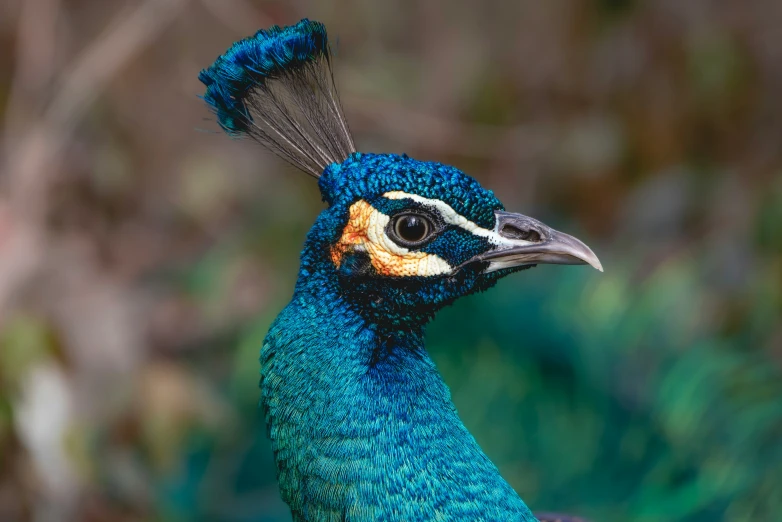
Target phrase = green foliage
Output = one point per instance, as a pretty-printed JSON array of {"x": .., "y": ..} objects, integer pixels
[
  {"x": 25, "y": 342},
  {"x": 619, "y": 400}
]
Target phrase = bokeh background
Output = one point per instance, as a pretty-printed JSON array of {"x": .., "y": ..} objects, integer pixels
[{"x": 143, "y": 254}]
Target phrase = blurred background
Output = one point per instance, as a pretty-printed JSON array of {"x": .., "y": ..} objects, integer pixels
[{"x": 143, "y": 254}]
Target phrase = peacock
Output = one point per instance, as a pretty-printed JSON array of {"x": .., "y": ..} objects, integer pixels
[{"x": 361, "y": 423}]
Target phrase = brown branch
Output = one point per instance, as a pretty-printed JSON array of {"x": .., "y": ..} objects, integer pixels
[{"x": 34, "y": 64}]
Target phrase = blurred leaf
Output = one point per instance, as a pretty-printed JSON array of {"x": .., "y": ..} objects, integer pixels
[{"x": 25, "y": 341}]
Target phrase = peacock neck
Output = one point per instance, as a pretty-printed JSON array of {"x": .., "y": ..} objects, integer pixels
[{"x": 361, "y": 423}]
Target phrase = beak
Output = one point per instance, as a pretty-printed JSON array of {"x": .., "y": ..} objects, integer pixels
[{"x": 525, "y": 241}]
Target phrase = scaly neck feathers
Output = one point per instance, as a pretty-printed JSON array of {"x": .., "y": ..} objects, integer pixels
[{"x": 362, "y": 425}]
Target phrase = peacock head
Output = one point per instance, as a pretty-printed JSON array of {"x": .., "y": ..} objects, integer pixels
[
  {"x": 406, "y": 237},
  {"x": 400, "y": 237}
]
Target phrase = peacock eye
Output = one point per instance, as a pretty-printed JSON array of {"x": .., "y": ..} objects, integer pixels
[{"x": 411, "y": 229}]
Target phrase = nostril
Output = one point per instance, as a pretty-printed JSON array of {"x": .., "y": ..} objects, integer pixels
[{"x": 512, "y": 232}]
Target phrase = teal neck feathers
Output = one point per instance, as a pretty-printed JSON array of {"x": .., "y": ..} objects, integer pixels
[{"x": 362, "y": 425}]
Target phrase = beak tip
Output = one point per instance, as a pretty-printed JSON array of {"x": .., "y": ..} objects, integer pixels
[{"x": 593, "y": 261}]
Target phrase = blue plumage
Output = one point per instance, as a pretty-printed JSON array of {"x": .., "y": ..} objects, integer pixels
[
  {"x": 360, "y": 420},
  {"x": 268, "y": 54},
  {"x": 402, "y": 302},
  {"x": 277, "y": 87},
  {"x": 344, "y": 182},
  {"x": 361, "y": 423}
]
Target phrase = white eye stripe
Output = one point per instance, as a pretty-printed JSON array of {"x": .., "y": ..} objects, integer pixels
[
  {"x": 448, "y": 214},
  {"x": 452, "y": 217}
]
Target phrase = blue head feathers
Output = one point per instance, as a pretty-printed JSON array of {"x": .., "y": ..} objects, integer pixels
[
  {"x": 356, "y": 237},
  {"x": 277, "y": 87},
  {"x": 251, "y": 62}
]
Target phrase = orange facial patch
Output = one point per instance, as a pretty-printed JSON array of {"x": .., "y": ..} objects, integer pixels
[{"x": 366, "y": 231}]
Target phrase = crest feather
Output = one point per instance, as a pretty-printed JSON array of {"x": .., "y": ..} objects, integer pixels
[{"x": 277, "y": 88}]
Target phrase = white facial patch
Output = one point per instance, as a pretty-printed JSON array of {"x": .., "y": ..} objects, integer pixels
[{"x": 366, "y": 231}]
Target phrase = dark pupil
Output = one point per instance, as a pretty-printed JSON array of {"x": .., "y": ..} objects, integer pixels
[{"x": 412, "y": 228}]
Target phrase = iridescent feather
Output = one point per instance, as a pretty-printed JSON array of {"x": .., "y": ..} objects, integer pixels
[{"x": 278, "y": 88}]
